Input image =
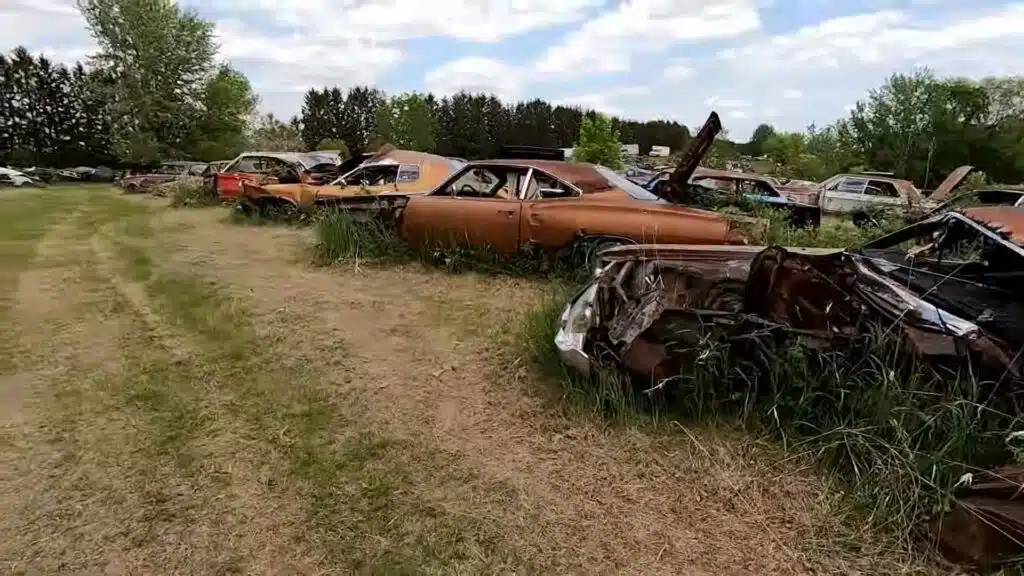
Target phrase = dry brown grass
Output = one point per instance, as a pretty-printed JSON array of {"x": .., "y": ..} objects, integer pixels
[{"x": 191, "y": 397}]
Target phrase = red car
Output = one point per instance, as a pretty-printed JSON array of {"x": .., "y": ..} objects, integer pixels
[{"x": 257, "y": 167}]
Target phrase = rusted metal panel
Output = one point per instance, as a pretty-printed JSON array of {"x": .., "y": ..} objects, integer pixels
[
  {"x": 986, "y": 525},
  {"x": 1008, "y": 220},
  {"x": 950, "y": 183},
  {"x": 695, "y": 151}
]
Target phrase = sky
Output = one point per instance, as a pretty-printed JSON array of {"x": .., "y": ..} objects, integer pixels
[{"x": 787, "y": 63}]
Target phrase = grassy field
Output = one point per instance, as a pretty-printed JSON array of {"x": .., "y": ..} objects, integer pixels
[{"x": 180, "y": 395}]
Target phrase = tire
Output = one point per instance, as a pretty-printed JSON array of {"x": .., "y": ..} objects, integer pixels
[
  {"x": 278, "y": 210},
  {"x": 595, "y": 246}
]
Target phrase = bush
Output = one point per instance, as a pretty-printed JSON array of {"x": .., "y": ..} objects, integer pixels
[
  {"x": 190, "y": 193},
  {"x": 341, "y": 236}
]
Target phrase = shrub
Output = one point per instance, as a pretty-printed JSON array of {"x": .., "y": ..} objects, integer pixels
[{"x": 190, "y": 193}]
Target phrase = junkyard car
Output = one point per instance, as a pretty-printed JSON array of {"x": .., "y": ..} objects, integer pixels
[
  {"x": 256, "y": 167},
  {"x": 16, "y": 179},
  {"x": 959, "y": 281},
  {"x": 719, "y": 188},
  {"x": 390, "y": 170},
  {"x": 941, "y": 298},
  {"x": 547, "y": 205},
  {"x": 860, "y": 195},
  {"x": 167, "y": 172}
]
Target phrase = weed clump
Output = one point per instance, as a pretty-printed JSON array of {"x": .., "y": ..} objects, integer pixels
[
  {"x": 341, "y": 236},
  {"x": 189, "y": 193}
]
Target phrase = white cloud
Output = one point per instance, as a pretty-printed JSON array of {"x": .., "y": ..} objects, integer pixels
[
  {"x": 608, "y": 101},
  {"x": 812, "y": 74},
  {"x": 474, "y": 74},
  {"x": 677, "y": 70},
  {"x": 608, "y": 42},
  {"x": 714, "y": 101},
  {"x": 394, "y": 20},
  {"x": 885, "y": 38},
  {"x": 52, "y": 27}
]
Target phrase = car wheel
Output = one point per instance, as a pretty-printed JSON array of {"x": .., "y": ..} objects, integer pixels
[{"x": 594, "y": 247}]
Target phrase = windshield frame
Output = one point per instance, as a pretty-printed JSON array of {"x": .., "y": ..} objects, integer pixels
[{"x": 634, "y": 190}]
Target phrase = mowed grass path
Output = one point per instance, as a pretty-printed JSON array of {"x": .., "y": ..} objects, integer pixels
[{"x": 179, "y": 395}]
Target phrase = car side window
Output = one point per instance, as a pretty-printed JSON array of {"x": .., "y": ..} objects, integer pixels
[
  {"x": 541, "y": 180},
  {"x": 408, "y": 173},
  {"x": 196, "y": 169},
  {"x": 486, "y": 182},
  {"x": 852, "y": 185},
  {"x": 247, "y": 165},
  {"x": 881, "y": 188}
]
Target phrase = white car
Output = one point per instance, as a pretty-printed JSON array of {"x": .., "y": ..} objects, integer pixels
[{"x": 14, "y": 178}]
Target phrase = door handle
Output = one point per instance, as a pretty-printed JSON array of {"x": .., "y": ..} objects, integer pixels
[{"x": 507, "y": 212}]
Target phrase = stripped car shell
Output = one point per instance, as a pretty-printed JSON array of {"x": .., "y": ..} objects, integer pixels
[
  {"x": 388, "y": 171},
  {"x": 948, "y": 288},
  {"x": 974, "y": 299}
]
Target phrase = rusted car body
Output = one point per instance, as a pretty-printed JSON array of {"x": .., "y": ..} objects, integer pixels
[
  {"x": 267, "y": 167},
  {"x": 883, "y": 282},
  {"x": 744, "y": 187},
  {"x": 389, "y": 170},
  {"x": 167, "y": 172},
  {"x": 528, "y": 204},
  {"x": 859, "y": 195},
  {"x": 946, "y": 289}
]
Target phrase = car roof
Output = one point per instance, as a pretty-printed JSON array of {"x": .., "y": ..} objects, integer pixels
[{"x": 582, "y": 175}]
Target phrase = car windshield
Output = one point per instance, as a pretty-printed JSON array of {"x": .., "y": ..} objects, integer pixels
[
  {"x": 620, "y": 181},
  {"x": 310, "y": 160}
]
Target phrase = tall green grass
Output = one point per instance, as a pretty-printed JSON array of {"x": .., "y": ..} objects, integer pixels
[
  {"x": 189, "y": 193},
  {"x": 343, "y": 236}
]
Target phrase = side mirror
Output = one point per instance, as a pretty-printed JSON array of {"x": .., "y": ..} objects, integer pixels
[{"x": 554, "y": 193}]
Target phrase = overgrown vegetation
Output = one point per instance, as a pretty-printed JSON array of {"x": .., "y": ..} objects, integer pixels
[
  {"x": 343, "y": 237},
  {"x": 191, "y": 193}
]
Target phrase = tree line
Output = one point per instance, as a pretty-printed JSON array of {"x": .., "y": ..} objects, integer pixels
[
  {"x": 464, "y": 125},
  {"x": 154, "y": 91},
  {"x": 918, "y": 126}
]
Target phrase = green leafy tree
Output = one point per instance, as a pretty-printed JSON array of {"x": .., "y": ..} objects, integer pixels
[
  {"x": 761, "y": 135},
  {"x": 317, "y": 120},
  {"x": 357, "y": 117},
  {"x": 228, "y": 104},
  {"x": 598, "y": 143},
  {"x": 406, "y": 121},
  {"x": 159, "y": 58},
  {"x": 272, "y": 135}
]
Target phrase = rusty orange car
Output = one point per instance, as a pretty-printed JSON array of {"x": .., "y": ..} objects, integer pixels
[
  {"x": 389, "y": 170},
  {"x": 511, "y": 205}
]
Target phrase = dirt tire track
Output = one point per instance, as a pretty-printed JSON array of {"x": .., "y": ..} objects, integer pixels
[{"x": 588, "y": 498}]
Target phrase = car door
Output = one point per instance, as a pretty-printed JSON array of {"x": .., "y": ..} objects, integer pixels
[
  {"x": 881, "y": 194},
  {"x": 479, "y": 207},
  {"x": 844, "y": 194},
  {"x": 229, "y": 181}
]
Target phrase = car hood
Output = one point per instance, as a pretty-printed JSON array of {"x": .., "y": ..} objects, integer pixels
[{"x": 950, "y": 183}]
